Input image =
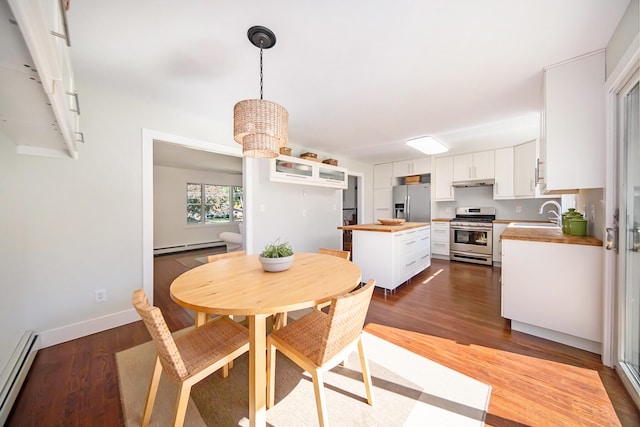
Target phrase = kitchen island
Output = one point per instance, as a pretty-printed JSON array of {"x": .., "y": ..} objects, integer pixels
[
  {"x": 552, "y": 285},
  {"x": 391, "y": 254}
]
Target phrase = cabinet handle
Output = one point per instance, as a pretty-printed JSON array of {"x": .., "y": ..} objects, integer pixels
[
  {"x": 539, "y": 178},
  {"x": 411, "y": 263},
  {"x": 75, "y": 95},
  {"x": 65, "y": 25}
]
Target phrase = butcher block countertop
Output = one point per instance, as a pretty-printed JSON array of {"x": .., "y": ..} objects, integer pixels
[
  {"x": 384, "y": 228},
  {"x": 548, "y": 235},
  {"x": 509, "y": 221},
  {"x": 441, "y": 220}
]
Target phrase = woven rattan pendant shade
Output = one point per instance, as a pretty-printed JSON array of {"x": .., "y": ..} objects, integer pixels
[{"x": 262, "y": 127}]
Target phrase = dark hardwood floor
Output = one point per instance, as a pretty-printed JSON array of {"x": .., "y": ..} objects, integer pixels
[{"x": 449, "y": 313}]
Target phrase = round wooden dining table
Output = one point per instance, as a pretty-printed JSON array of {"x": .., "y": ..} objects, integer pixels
[{"x": 239, "y": 286}]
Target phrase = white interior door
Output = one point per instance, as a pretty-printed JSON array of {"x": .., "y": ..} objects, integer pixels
[{"x": 629, "y": 233}]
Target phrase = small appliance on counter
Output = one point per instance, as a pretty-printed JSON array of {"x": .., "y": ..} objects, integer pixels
[{"x": 574, "y": 223}]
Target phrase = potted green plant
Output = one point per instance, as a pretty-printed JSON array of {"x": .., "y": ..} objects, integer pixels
[{"x": 276, "y": 256}]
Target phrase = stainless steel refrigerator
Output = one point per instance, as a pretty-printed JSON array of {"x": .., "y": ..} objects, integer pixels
[{"x": 412, "y": 202}]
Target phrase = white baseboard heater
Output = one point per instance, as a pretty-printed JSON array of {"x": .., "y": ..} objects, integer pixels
[
  {"x": 16, "y": 371},
  {"x": 187, "y": 247}
]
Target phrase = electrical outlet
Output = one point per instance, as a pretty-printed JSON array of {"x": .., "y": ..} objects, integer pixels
[
  {"x": 518, "y": 209},
  {"x": 100, "y": 295}
]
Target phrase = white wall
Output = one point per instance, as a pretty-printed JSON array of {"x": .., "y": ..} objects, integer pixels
[
  {"x": 14, "y": 242},
  {"x": 626, "y": 30},
  {"x": 71, "y": 227},
  {"x": 306, "y": 216},
  {"x": 170, "y": 226},
  {"x": 591, "y": 203}
]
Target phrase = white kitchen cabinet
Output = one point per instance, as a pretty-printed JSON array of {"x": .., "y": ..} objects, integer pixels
[
  {"x": 382, "y": 203},
  {"x": 440, "y": 239},
  {"x": 383, "y": 175},
  {"x": 504, "y": 170},
  {"x": 299, "y": 171},
  {"x": 498, "y": 228},
  {"x": 525, "y": 167},
  {"x": 412, "y": 167},
  {"x": 572, "y": 149},
  {"x": 444, "y": 179},
  {"x": 554, "y": 291},
  {"x": 473, "y": 166},
  {"x": 42, "y": 24},
  {"x": 391, "y": 258}
]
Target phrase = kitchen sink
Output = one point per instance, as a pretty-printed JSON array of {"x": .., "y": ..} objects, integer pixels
[{"x": 533, "y": 225}]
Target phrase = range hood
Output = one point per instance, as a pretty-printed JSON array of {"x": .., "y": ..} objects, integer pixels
[{"x": 473, "y": 183}]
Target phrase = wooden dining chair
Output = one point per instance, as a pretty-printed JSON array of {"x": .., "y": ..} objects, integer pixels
[
  {"x": 319, "y": 341},
  {"x": 333, "y": 252},
  {"x": 280, "y": 319},
  {"x": 212, "y": 258},
  {"x": 336, "y": 252},
  {"x": 190, "y": 357}
]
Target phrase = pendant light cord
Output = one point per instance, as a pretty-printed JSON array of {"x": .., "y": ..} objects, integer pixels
[{"x": 261, "y": 42}]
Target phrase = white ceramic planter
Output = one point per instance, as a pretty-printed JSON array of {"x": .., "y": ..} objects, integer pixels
[{"x": 274, "y": 265}]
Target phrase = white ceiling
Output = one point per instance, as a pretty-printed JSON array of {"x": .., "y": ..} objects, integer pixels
[{"x": 357, "y": 77}]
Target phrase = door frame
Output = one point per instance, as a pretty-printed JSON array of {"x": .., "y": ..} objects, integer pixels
[
  {"x": 626, "y": 68},
  {"x": 148, "y": 137}
]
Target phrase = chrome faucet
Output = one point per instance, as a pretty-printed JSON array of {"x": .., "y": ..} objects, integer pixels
[{"x": 557, "y": 220}]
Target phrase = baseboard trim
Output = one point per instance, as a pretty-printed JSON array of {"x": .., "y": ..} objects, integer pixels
[
  {"x": 187, "y": 247},
  {"x": 82, "y": 329},
  {"x": 573, "y": 341}
]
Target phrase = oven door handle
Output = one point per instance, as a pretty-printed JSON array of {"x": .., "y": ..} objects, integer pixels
[{"x": 471, "y": 228}]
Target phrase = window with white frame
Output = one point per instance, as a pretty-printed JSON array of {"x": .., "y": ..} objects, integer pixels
[{"x": 212, "y": 204}]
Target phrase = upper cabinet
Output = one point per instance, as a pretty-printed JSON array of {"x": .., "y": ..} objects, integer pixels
[
  {"x": 300, "y": 171},
  {"x": 383, "y": 175},
  {"x": 444, "y": 190},
  {"x": 572, "y": 145},
  {"x": 503, "y": 185},
  {"x": 524, "y": 169},
  {"x": 42, "y": 119},
  {"x": 473, "y": 166},
  {"x": 412, "y": 167}
]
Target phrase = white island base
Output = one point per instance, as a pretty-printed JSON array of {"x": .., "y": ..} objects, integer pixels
[{"x": 388, "y": 256}]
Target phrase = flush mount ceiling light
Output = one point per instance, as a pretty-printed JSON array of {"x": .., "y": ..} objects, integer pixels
[
  {"x": 427, "y": 145},
  {"x": 261, "y": 127}
]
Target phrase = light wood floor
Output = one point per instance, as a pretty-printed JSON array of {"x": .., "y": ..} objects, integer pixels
[{"x": 449, "y": 313}]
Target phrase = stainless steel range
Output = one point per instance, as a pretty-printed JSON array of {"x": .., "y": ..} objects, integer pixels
[{"x": 472, "y": 235}]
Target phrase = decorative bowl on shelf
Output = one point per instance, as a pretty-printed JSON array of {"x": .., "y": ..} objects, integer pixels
[{"x": 391, "y": 221}]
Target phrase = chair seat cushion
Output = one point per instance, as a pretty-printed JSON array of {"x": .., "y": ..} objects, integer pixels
[
  {"x": 204, "y": 345},
  {"x": 305, "y": 334}
]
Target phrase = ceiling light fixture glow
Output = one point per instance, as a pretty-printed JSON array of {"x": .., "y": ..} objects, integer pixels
[
  {"x": 261, "y": 127},
  {"x": 427, "y": 145}
]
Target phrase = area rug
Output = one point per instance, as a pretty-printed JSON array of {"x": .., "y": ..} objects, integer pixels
[
  {"x": 409, "y": 390},
  {"x": 196, "y": 261}
]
